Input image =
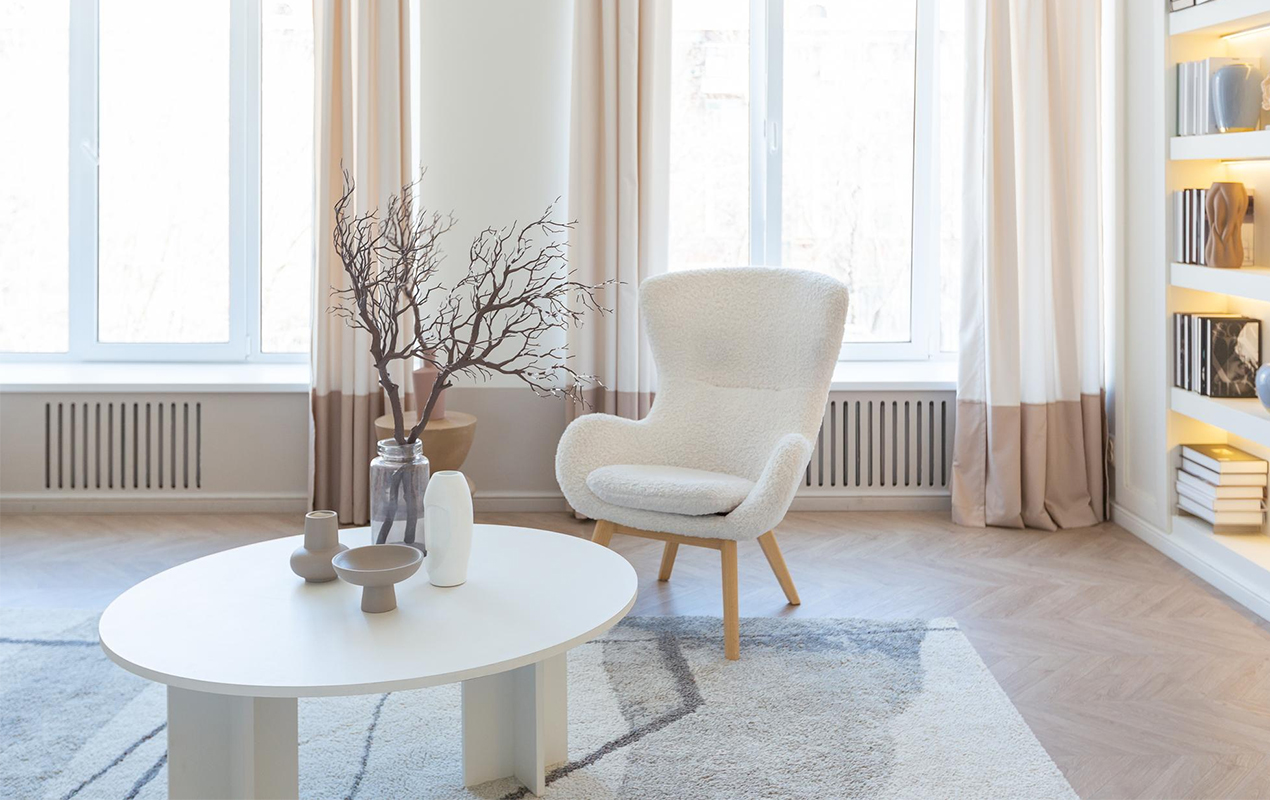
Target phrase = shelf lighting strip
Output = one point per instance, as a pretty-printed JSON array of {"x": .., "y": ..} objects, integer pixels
[{"x": 1248, "y": 32}]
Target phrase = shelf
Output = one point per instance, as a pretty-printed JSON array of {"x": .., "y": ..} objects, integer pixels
[
  {"x": 1231, "y": 146},
  {"x": 1242, "y": 417},
  {"x": 1220, "y": 17},
  {"x": 1245, "y": 556},
  {"x": 1252, "y": 283}
]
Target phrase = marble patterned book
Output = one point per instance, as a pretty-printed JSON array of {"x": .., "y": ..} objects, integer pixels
[{"x": 1233, "y": 353}]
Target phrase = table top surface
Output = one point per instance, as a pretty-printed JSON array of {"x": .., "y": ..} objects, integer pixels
[{"x": 240, "y": 622}]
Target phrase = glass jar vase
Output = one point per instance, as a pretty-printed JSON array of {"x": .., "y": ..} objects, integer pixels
[{"x": 398, "y": 478}]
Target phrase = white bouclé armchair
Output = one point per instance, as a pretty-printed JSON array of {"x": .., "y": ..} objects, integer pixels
[{"x": 744, "y": 360}]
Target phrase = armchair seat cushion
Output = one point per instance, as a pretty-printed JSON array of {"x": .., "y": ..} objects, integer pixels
[{"x": 671, "y": 490}]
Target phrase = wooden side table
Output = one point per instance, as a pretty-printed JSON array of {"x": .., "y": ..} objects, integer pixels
[{"x": 446, "y": 441}]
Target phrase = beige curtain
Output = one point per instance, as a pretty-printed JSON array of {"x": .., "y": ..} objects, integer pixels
[
  {"x": 362, "y": 118},
  {"x": 1030, "y": 422},
  {"x": 618, "y": 189}
]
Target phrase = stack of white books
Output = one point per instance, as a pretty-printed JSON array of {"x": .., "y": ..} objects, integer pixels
[{"x": 1223, "y": 486}]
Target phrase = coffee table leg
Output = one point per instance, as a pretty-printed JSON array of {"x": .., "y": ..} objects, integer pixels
[
  {"x": 515, "y": 723},
  {"x": 231, "y": 747}
]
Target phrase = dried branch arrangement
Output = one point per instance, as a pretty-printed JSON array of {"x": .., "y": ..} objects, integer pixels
[{"x": 498, "y": 319}]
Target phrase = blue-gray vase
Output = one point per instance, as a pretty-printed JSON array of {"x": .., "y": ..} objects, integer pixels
[
  {"x": 1236, "y": 96},
  {"x": 1263, "y": 385}
]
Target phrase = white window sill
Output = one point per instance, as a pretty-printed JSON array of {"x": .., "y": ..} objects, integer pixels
[
  {"x": 80, "y": 377},
  {"x": 95, "y": 377},
  {"x": 905, "y": 376}
]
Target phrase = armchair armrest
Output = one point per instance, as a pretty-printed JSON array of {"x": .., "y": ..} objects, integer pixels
[
  {"x": 773, "y": 492},
  {"x": 599, "y": 440}
]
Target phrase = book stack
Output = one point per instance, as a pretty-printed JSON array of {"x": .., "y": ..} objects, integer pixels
[
  {"x": 1194, "y": 101},
  {"x": 1216, "y": 355},
  {"x": 1190, "y": 227},
  {"x": 1224, "y": 486}
]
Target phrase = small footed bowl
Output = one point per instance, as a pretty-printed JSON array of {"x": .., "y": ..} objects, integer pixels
[{"x": 376, "y": 568}]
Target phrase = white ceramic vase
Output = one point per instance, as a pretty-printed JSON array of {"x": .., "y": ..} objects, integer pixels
[
  {"x": 312, "y": 560},
  {"x": 447, "y": 515}
]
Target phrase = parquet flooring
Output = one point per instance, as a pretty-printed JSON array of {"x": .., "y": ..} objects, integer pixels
[{"x": 1139, "y": 679}]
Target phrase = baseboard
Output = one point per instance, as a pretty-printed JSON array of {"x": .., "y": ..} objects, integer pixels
[
  {"x": 1254, "y": 598},
  {"x": 506, "y": 502},
  {"x": 502, "y": 501},
  {"x": 936, "y": 502},
  {"x": 143, "y": 502},
  {"x": 150, "y": 502}
]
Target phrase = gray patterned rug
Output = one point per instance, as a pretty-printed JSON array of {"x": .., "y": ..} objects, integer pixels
[{"x": 815, "y": 708}]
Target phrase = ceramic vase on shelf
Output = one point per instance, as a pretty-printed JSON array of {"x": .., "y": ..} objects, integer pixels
[
  {"x": 1263, "y": 385},
  {"x": 1236, "y": 96},
  {"x": 398, "y": 480},
  {"x": 312, "y": 560},
  {"x": 1226, "y": 205},
  {"x": 448, "y": 511}
]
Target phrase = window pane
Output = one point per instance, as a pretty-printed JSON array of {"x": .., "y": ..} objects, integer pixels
[
  {"x": 163, "y": 194},
  {"x": 709, "y": 134},
  {"x": 286, "y": 181},
  {"x": 952, "y": 88},
  {"x": 34, "y": 73},
  {"x": 846, "y": 194}
]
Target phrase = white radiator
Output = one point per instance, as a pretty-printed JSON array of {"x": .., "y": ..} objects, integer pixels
[
  {"x": 878, "y": 444},
  {"x": 157, "y": 451},
  {"x": 117, "y": 446}
]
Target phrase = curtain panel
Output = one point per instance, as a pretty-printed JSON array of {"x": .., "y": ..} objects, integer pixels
[
  {"x": 362, "y": 124},
  {"x": 1030, "y": 437},
  {"x": 618, "y": 189}
]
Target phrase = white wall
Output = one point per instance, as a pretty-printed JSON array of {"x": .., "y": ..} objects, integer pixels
[
  {"x": 494, "y": 90},
  {"x": 1140, "y": 341},
  {"x": 494, "y": 93}
]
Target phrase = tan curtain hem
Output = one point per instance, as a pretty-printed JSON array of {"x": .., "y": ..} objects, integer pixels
[
  {"x": 344, "y": 445},
  {"x": 1034, "y": 465}
]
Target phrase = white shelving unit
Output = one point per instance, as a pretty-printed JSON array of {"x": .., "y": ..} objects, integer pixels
[
  {"x": 1252, "y": 283},
  {"x": 1239, "y": 564},
  {"x": 1228, "y": 146},
  {"x": 1219, "y": 17}
]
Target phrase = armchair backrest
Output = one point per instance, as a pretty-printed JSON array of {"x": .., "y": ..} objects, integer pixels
[{"x": 744, "y": 357}]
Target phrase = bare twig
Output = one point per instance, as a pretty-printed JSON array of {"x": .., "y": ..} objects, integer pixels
[{"x": 501, "y": 318}]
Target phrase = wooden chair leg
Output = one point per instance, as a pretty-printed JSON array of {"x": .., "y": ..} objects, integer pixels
[
  {"x": 773, "y": 552},
  {"x": 603, "y": 533},
  {"x": 667, "y": 560},
  {"x": 731, "y": 613}
]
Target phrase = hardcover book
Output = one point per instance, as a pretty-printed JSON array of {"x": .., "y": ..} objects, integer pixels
[
  {"x": 1208, "y": 491},
  {"x": 1216, "y": 504},
  {"x": 1223, "y": 478},
  {"x": 1224, "y": 521},
  {"x": 1233, "y": 354},
  {"x": 1223, "y": 458}
]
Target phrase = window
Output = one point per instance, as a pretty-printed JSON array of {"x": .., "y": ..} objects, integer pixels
[
  {"x": 157, "y": 202},
  {"x": 826, "y": 136}
]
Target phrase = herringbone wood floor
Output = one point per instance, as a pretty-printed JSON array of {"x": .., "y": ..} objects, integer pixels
[{"x": 1139, "y": 680}]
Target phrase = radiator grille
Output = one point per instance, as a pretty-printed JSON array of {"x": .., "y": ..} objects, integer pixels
[
  {"x": 123, "y": 445},
  {"x": 883, "y": 443}
]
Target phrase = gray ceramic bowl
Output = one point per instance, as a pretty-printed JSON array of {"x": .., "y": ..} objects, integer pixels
[{"x": 376, "y": 568}]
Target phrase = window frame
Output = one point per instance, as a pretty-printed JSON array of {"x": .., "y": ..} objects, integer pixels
[
  {"x": 767, "y": 39},
  {"x": 244, "y": 341}
]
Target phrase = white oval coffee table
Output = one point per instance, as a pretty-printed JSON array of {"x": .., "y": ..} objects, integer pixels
[{"x": 237, "y": 637}]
